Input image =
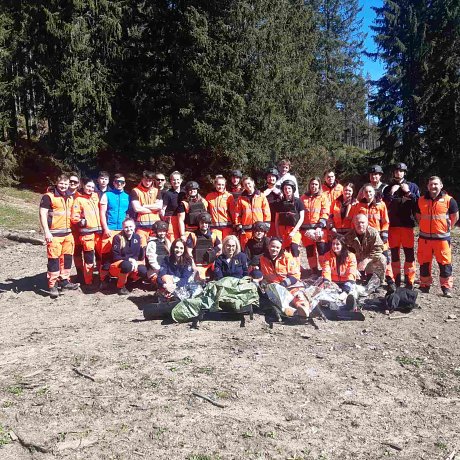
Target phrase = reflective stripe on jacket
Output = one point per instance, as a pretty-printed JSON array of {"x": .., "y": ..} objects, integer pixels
[
  {"x": 86, "y": 207},
  {"x": 59, "y": 214},
  {"x": 284, "y": 266},
  {"x": 434, "y": 217},
  {"x": 317, "y": 209},
  {"x": 146, "y": 196},
  {"x": 219, "y": 205},
  {"x": 339, "y": 273},
  {"x": 252, "y": 209}
]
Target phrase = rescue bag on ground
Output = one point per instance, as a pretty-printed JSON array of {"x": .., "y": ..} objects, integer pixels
[{"x": 227, "y": 294}]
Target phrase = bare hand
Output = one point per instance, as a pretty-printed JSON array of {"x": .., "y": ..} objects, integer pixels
[
  {"x": 405, "y": 188},
  {"x": 394, "y": 189},
  {"x": 48, "y": 237}
]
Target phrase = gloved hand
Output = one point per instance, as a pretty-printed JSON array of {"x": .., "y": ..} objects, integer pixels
[{"x": 82, "y": 223}]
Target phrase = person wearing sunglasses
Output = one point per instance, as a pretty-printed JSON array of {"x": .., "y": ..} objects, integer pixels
[
  {"x": 160, "y": 184},
  {"x": 114, "y": 205}
]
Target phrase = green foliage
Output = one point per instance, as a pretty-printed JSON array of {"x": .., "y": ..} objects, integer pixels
[
  {"x": 8, "y": 164},
  {"x": 418, "y": 99},
  {"x": 198, "y": 86}
]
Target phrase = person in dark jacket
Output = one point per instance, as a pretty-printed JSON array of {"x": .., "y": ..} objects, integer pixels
[
  {"x": 401, "y": 198},
  {"x": 232, "y": 262},
  {"x": 127, "y": 256},
  {"x": 176, "y": 269},
  {"x": 257, "y": 245}
]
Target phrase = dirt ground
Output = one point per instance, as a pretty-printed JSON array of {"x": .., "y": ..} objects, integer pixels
[{"x": 85, "y": 377}]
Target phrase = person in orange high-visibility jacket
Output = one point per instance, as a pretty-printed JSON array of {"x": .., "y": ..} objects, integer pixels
[
  {"x": 219, "y": 203},
  {"x": 331, "y": 188},
  {"x": 86, "y": 214},
  {"x": 339, "y": 218},
  {"x": 147, "y": 204},
  {"x": 279, "y": 266},
  {"x": 377, "y": 214},
  {"x": 314, "y": 237},
  {"x": 55, "y": 210},
  {"x": 252, "y": 206},
  {"x": 340, "y": 265},
  {"x": 289, "y": 217},
  {"x": 437, "y": 214}
]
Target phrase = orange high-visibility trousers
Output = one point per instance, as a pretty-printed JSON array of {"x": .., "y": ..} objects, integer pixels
[
  {"x": 116, "y": 270},
  {"x": 90, "y": 243},
  {"x": 59, "y": 251},
  {"x": 402, "y": 237},
  {"x": 442, "y": 252}
]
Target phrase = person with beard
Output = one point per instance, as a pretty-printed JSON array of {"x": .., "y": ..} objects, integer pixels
[{"x": 331, "y": 188}]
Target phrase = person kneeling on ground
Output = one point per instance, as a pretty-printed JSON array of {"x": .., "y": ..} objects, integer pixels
[
  {"x": 278, "y": 266},
  {"x": 340, "y": 267},
  {"x": 232, "y": 262},
  {"x": 176, "y": 270},
  {"x": 365, "y": 242},
  {"x": 127, "y": 256},
  {"x": 157, "y": 249},
  {"x": 257, "y": 245}
]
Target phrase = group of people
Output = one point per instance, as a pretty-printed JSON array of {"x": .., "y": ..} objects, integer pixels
[{"x": 168, "y": 236}]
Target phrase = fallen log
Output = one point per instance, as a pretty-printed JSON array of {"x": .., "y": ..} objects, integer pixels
[{"x": 21, "y": 237}]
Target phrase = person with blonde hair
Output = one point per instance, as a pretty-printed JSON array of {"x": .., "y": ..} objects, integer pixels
[{"x": 232, "y": 262}]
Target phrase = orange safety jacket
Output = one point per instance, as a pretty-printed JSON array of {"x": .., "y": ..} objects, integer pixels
[
  {"x": 341, "y": 273},
  {"x": 60, "y": 212},
  {"x": 219, "y": 205},
  {"x": 341, "y": 224},
  {"x": 252, "y": 209},
  {"x": 87, "y": 207},
  {"x": 280, "y": 269},
  {"x": 317, "y": 209},
  {"x": 376, "y": 212},
  {"x": 334, "y": 192},
  {"x": 146, "y": 196},
  {"x": 434, "y": 216}
]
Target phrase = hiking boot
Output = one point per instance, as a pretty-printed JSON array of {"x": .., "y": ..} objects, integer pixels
[
  {"x": 350, "y": 302},
  {"x": 66, "y": 284},
  {"x": 398, "y": 280},
  {"x": 424, "y": 289},
  {"x": 54, "y": 293},
  {"x": 104, "y": 286},
  {"x": 123, "y": 291},
  {"x": 446, "y": 292}
]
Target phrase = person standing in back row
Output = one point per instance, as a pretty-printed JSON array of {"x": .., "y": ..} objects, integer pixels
[
  {"x": 437, "y": 214},
  {"x": 284, "y": 166},
  {"x": 401, "y": 198},
  {"x": 331, "y": 188}
]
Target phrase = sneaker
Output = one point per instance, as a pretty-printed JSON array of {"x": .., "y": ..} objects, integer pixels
[
  {"x": 424, "y": 289},
  {"x": 123, "y": 291},
  {"x": 54, "y": 293},
  {"x": 66, "y": 284},
  {"x": 446, "y": 292},
  {"x": 350, "y": 302}
]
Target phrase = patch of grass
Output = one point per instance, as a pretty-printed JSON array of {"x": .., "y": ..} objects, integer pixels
[
  {"x": 42, "y": 391},
  {"x": 16, "y": 390},
  {"x": 4, "y": 436},
  {"x": 441, "y": 445},
  {"x": 224, "y": 394},
  {"x": 247, "y": 434},
  {"x": 409, "y": 361},
  {"x": 15, "y": 218},
  {"x": 187, "y": 360},
  {"x": 204, "y": 370},
  {"x": 124, "y": 366},
  {"x": 7, "y": 404},
  {"x": 269, "y": 434},
  {"x": 20, "y": 193}
]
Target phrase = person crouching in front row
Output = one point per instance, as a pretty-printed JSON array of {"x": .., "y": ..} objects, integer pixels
[
  {"x": 127, "y": 256},
  {"x": 232, "y": 262},
  {"x": 278, "y": 266},
  {"x": 158, "y": 247}
]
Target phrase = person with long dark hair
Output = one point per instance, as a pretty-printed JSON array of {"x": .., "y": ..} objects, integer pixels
[
  {"x": 340, "y": 265},
  {"x": 176, "y": 269}
]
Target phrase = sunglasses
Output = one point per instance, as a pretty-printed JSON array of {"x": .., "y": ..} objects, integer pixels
[
  {"x": 74, "y": 182},
  {"x": 120, "y": 181},
  {"x": 160, "y": 180}
]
